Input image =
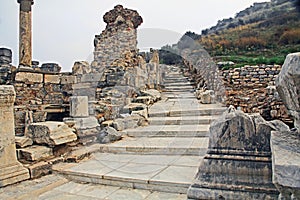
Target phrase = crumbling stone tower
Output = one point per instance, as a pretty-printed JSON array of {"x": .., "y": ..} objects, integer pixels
[{"x": 120, "y": 35}]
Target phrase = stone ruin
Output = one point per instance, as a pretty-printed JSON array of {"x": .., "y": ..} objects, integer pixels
[
  {"x": 120, "y": 35},
  {"x": 56, "y": 112},
  {"x": 250, "y": 158}
]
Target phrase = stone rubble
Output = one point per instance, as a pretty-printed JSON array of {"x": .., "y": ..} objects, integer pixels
[{"x": 51, "y": 133}]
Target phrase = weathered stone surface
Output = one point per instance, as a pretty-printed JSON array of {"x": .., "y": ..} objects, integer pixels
[
  {"x": 79, "y": 106},
  {"x": 85, "y": 126},
  {"x": 108, "y": 135},
  {"x": 81, "y": 67},
  {"x": 50, "y": 67},
  {"x": 288, "y": 86},
  {"x": 155, "y": 94},
  {"x": 238, "y": 161},
  {"x": 39, "y": 169},
  {"x": 25, "y": 43},
  {"x": 67, "y": 79},
  {"x": 119, "y": 13},
  {"x": 29, "y": 77},
  {"x": 52, "y": 78},
  {"x": 286, "y": 163},
  {"x": 119, "y": 36},
  {"x": 128, "y": 122},
  {"x": 5, "y": 56},
  {"x": 206, "y": 97},
  {"x": 134, "y": 107},
  {"x": 11, "y": 171},
  {"x": 22, "y": 142},
  {"x": 51, "y": 133},
  {"x": 34, "y": 153}
]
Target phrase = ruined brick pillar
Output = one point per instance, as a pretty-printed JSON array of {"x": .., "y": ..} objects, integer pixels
[
  {"x": 25, "y": 46},
  {"x": 119, "y": 36},
  {"x": 11, "y": 171}
]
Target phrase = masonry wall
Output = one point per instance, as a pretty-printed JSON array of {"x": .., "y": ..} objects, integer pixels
[
  {"x": 120, "y": 35},
  {"x": 38, "y": 94},
  {"x": 252, "y": 89}
]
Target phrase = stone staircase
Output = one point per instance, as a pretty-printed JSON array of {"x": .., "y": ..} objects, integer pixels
[{"x": 163, "y": 156}]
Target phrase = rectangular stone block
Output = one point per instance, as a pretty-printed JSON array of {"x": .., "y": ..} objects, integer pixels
[
  {"x": 34, "y": 153},
  {"x": 29, "y": 77},
  {"x": 94, "y": 77},
  {"x": 68, "y": 79},
  {"x": 79, "y": 106},
  {"x": 39, "y": 169},
  {"x": 52, "y": 78}
]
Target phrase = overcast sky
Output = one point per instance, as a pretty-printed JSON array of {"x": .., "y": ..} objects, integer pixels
[{"x": 64, "y": 30}]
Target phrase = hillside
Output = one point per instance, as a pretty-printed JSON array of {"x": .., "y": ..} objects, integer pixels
[{"x": 261, "y": 34}]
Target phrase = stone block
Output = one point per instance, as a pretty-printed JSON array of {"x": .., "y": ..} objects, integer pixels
[
  {"x": 81, "y": 67},
  {"x": 155, "y": 94},
  {"x": 5, "y": 55},
  {"x": 52, "y": 78},
  {"x": 79, "y": 106},
  {"x": 50, "y": 67},
  {"x": 34, "y": 153},
  {"x": 22, "y": 142},
  {"x": 39, "y": 169},
  {"x": 68, "y": 79},
  {"x": 108, "y": 135},
  {"x": 51, "y": 133},
  {"x": 92, "y": 77},
  {"x": 85, "y": 127},
  {"x": 29, "y": 77}
]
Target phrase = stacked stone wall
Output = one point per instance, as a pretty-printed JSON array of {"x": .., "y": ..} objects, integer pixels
[
  {"x": 252, "y": 89},
  {"x": 120, "y": 35}
]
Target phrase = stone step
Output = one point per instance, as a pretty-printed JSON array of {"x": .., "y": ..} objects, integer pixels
[
  {"x": 157, "y": 146},
  {"x": 185, "y": 87},
  {"x": 184, "y": 120},
  {"x": 178, "y": 91},
  {"x": 175, "y": 80},
  {"x": 169, "y": 131},
  {"x": 188, "y": 112},
  {"x": 162, "y": 173},
  {"x": 178, "y": 84}
]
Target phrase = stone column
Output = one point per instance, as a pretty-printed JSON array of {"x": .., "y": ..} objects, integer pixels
[
  {"x": 11, "y": 171},
  {"x": 25, "y": 46}
]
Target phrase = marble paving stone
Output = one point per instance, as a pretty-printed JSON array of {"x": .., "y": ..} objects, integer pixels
[
  {"x": 188, "y": 161},
  {"x": 96, "y": 167},
  {"x": 88, "y": 190},
  {"x": 58, "y": 195},
  {"x": 135, "y": 172},
  {"x": 128, "y": 194},
  {"x": 114, "y": 157},
  {"x": 165, "y": 196},
  {"x": 155, "y": 159},
  {"x": 179, "y": 175}
]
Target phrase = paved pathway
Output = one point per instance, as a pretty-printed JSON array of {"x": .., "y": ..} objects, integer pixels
[{"x": 154, "y": 162}]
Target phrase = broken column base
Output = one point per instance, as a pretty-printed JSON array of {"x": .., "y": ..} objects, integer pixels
[
  {"x": 13, "y": 174},
  {"x": 234, "y": 176}
]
